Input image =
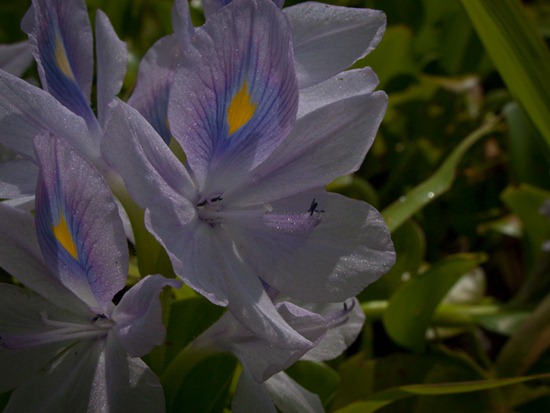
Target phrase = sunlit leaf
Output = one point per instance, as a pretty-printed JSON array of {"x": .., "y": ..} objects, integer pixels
[
  {"x": 433, "y": 187},
  {"x": 519, "y": 53},
  {"x": 411, "y": 308},
  {"x": 386, "y": 397}
]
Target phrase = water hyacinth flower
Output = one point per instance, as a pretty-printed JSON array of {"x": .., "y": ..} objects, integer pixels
[
  {"x": 263, "y": 384},
  {"x": 60, "y": 37},
  {"x": 248, "y": 207},
  {"x": 63, "y": 341},
  {"x": 318, "y": 32}
]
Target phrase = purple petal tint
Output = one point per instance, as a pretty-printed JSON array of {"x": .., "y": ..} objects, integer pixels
[{"x": 78, "y": 227}]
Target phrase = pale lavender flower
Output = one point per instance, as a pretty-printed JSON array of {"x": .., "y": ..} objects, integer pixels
[
  {"x": 249, "y": 205},
  {"x": 64, "y": 345},
  {"x": 331, "y": 328}
]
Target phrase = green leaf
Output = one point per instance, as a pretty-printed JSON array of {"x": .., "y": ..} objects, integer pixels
[
  {"x": 386, "y": 397},
  {"x": 518, "y": 52},
  {"x": 529, "y": 342},
  {"x": 411, "y": 308},
  {"x": 433, "y": 187},
  {"x": 206, "y": 387},
  {"x": 315, "y": 377}
]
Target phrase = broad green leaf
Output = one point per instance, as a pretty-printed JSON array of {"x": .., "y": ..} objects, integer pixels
[
  {"x": 184, "y": 325},
  {"x": 433, "y": 187},
  {"x": 315, "y": 377},
  {"x": 411, "y": 308},
  {"x": 205, "y": 388},
  {"x": 529, "y": 154},
  {"x": 386, "y": 397},
  {"x": 519, "y": 54}
]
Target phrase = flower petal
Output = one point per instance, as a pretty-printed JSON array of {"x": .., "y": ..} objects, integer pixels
[
  {"x": 349, "y": 249},
  {"x": 212, "y": 6},
  {"x": 26, "y": 111},
  {"x": 138, "y": 316},
  {"x": 181, "y": 22},
  {"x": 328, "y": 39},
  {"x": 156, "y": 73},
  {"x": 17, "y": 178},
  {"x": 330, "y": 142},
  {"x": 251, "y": 396},
  {"x": 150, "y": 170},
  {"x": 131, "y": 385},
  {"x": 60, "y": 36},
  {"x": 21, "y": 258},
  {"x": 15, "y": 58},
  {"x": 290, "y": 397},
  {"x": 234, "y": 98},
  {"x": 338, "y": 337},
  {"x": 79, "y": 230},
  {"x": 344, "y": 85},
  {"x": 64, "y": 386},
  {"x": 112, "y": 59}
]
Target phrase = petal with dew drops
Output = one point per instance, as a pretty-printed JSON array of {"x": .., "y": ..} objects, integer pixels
[
  {"x": 112, "y": 59},
  {"x": 234, "y": 97},
  {"x": 79, "y": 230},
  {"x": 21, "y": 257},
  {"x": 60, "y": 36},
  {"x": 328, "y": 39},
  {"x": 327, "y": 143},
  {"x": 349, "y": 248}
]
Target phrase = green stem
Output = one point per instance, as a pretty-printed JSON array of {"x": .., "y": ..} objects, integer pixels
[{"x": 446, "y": 315}]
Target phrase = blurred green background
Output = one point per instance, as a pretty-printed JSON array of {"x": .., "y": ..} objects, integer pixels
[{"x": 460, "y": 170}]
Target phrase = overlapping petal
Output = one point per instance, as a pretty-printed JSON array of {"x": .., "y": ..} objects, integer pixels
[
  {"x": 329, "y": 142},
  {"x": 138, "y": 316},
  {"x": 15, "y": 58},
  {"x": 234, "y": 97},
  {"x": 328, "y": 39},
  {"x": 112, "y": 59},
  {"x": 60, "y": 36},
  {"x": 78, "y": 227}
]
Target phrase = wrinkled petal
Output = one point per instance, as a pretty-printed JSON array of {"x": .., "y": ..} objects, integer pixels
[
  {"x": 327, "y": 143},
  {"x": 17, "y": 178},
  {"x": 21, "y": 258},
  {"x": 112, "y": 59},
  {"x": 234, "y": 98},
  {"x": 78, "y": 227},
  {"x": 63, "y": 386},
  {"x": 26, "y": 111},
  {"x": 339, "y": 337},
  {"x": 60, "y": 36},
  {"x": 342, "y": 86},
  {"x": 348, "y": 249},
  {"x": 15, "y": 58},
  {"x": 328, "y": 39},
  {"x": 130, "y": 384},
  {"x": 138, "y": 316}
]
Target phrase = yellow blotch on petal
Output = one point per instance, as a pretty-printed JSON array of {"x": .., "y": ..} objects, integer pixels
[
  {"x": 62, "y": 234},
  {"x": 61, "y": 57},
  {"x": 240, "y": 110}
]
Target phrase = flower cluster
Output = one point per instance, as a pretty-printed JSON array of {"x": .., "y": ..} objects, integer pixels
[{"x": 225, "y": 147}]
